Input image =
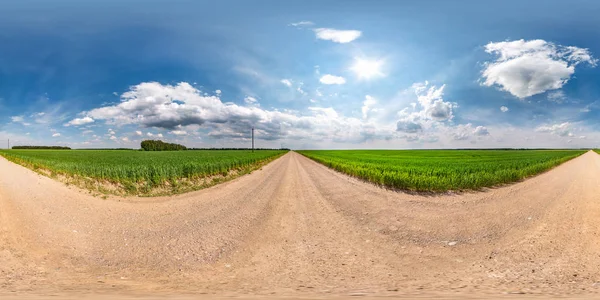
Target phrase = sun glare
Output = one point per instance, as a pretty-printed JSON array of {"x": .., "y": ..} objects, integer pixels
[{"x": 367, "y": 68}]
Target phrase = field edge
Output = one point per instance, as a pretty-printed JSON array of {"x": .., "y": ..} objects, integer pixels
[
  {"x": 449, "y": 191},
  {"x": 105, "y": 188}
]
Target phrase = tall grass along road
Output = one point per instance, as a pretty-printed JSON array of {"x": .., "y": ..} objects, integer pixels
[
  {"x": 441, "y": 170},
  {"x": 141, "y": 172}
]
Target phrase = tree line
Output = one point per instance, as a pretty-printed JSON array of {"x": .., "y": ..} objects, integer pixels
[
  {"x": 286, "y": 149},
  {"x": 157, "y": 145},
  {"x": 41, "y": 147}
]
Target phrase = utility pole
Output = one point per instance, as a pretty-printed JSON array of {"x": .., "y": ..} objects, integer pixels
[{"x": 252, "y": 139}]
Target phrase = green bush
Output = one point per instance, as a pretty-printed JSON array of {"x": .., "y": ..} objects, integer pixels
[{"x": 156, "y": 145}]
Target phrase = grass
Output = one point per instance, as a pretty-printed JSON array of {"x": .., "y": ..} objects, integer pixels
[
  {"x": 441, "y": 170},
  {"x": 142, "y": 173}
]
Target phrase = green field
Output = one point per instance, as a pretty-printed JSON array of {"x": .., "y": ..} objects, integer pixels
[
  {"x": 441, "y": 170},
  {"x": 141, "y": 172}
]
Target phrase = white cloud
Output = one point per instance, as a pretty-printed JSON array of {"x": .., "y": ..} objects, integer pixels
[
  {"x": 80, "y": 121},
  {"x": 428, "y": 112},
  {"x": 111, "y": 132},
  {"x": 139, "y": 133},
  {"x": 56, "y": 135},
  {"x": 168, "y": 107},
  {"x": 159, "y": 135},
  {"x": 368, "y": 106},
  {"x": 429, "y": 119},
  {"x": 527, "y": 68},
  {"x": 287, "y": 82},
  {"x": 338, "y": 36},
  {"x": 250, "y": 100},
  {"x": 557, "y": 97},
  {"x": 150, "y": 134},
  {"x": 504, "y": 109},
  {"x": 562, "y": 129},
  {"x": 481, "y": 130},
  {"x": 112, "y": 137},
  {"x": 302, "y": 23},
  {"x": 17, "y": 119},
  {"x": 408, "y": 126},
  {"x": 462, "y": 132},
  {"x": 178, "y": 132},
  {"x": 125, "y": 139},
  {"x": 331, "y": 79},
  {"x": 465, "y": 131},
  {"x": 218, "y": 92},
  {"x": 431, "y": 100}
]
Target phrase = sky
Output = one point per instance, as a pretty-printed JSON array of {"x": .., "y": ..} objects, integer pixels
[{"x": 305, "y": 74}]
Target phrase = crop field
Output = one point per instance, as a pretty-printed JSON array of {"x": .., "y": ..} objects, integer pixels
[
  {"x": 441, "y": 170},
  {"x": 138, "y": 172}
]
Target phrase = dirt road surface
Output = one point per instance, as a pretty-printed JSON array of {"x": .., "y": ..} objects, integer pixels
[{"x": 298, "y": 229}]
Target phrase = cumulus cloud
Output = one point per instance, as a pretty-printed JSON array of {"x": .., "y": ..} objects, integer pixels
[
  {"x": 480, "y": 131},
  {"x": 138, "y": 133},
  {"x": 56, "y": 135},
  {"x": 80, "y": 121},
  {"x": 465, "y": 131},
  {"x": 287, "y": 82},
  {"x": 431, "y": 100},
  {"x": 429, "y": 111},
  {"x": 504, "y": 109},
  {"x": 527, "y": 68},
  {"x": 178, "y": 132},
  {"x": 331, "y": 79},
  {"x": 172, "y": 107},
  {"x": 368, "y": 105},
  {"x": 337, "y": 36},
  {"x": 562, "y": 129},
  {"x": 408, "y": 126}
]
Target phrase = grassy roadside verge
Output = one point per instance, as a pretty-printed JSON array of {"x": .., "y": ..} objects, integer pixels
[
  {"x": 137, "y": 173},
  {"x": 441, "y": 170}
]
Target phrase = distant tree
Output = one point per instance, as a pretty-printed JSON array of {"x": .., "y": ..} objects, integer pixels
[
  {"x": 220, "y": 149},
  {"x": 157, "y": 145},
  {"x": 41, "y": 147}
]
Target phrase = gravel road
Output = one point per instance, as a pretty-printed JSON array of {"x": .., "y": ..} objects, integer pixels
[{"x": 298, "y": 229}]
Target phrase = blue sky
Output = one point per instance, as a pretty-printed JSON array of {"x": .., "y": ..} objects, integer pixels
[{"x": 306, "y": 74}]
